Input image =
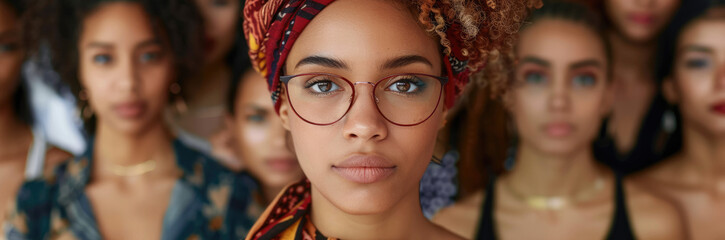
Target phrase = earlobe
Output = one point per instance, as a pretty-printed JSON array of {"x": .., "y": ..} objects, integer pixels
[
  {"x": 668, "y": 90},
  {"x": 284, "y": 111}
]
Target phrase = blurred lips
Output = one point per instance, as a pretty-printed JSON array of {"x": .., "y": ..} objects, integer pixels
[
  {"x": 130, "y": 110},
  {"x": 364, "y": 169},
  {"x": 642, "y": 18},
  {"x": 558, "y": 129},
  {"x": 282, "y": 164},
  {"x": 719, "y": 108}
]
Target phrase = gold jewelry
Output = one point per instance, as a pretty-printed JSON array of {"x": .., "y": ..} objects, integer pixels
[
  {"x": 133, "y": 170},
  {"x": 554, "y": 203}
]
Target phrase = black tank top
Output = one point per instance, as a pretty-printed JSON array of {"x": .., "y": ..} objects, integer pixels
[{"x": 619, "y": 230}]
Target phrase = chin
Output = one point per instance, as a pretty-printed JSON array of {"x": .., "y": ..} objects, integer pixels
[{"x": 363, "y": 200}]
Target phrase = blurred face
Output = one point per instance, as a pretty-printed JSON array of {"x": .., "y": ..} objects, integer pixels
[
  {"x": 220, "y": 19},
  {"x": 11, "y": 52},
  {"x": 560, "y": 93},
  {"x": 259, "y": 136},
  {"x": 363, "y": 164},
  {"x": 125, "y": 68},
  {"x": 640, "y": 20},
  {"x": 699, "y": 76}
]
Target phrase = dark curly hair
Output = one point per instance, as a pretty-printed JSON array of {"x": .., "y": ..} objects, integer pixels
[{"x": 59, "y": 24}]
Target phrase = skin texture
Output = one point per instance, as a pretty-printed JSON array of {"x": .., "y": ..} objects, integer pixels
[
  {"x": 695, "y": 177},
  {"x": 126, "y": 70},
  {"x": 557, "y": 102},
  {"x": 260, "y": 140},
  {"x": 15, "y": 135},
  {"x": 387, "y": 209},
  {"x": 635, "y": 27}
]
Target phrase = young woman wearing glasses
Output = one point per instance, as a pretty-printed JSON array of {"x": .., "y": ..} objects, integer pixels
[{"x": 364, "y": 90}]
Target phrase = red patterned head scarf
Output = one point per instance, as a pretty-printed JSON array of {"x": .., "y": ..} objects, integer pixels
[{"x": 272, "y": 26}]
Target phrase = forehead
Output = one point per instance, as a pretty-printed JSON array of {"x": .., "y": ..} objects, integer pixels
[
  {"x": 117, "y": 22},
  {"x": 705, "y": 32},
  {"x": 357, "y": 30},
  {"x": 560, "y": 41}
]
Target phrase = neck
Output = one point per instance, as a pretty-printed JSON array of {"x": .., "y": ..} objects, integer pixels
[
  {"x": 632, "y": 60},
  {"x": 544, "y": 174},
  {"x": 404, "y": 220},
  {"x": 113, "y": 147},
  {"x": 269, "y": 193},
  {"x": 13, "y": 132},
  {"x": 705, "y": 152}
]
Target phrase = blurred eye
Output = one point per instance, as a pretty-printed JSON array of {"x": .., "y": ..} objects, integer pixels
[
  {"x": 102, "y": 59},
  {"x": 256, "y": 118},
  {"x": 8, "y": 47},
  {"x": 220, "y": 3},
  {"x": 584, "y": 80},
  {"x": 697, "y": 63},
  {"x": 534, "y": 78},
  {"x": 150, "y": 57}
]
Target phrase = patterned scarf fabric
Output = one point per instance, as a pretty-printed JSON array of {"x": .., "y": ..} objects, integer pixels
[
  {"x": 287, "y": 217},
  {"x": 272, "y": 26}
]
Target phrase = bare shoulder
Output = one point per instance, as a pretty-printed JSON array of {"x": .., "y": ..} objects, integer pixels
[
  {"x": 652, "y": 215},
  {"x": 657, "y": 175},
  {"x": 462, "y": 218}
]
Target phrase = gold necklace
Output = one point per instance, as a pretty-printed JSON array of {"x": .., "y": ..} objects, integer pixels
[
  {"x": 133, "y": 170},
  {"x": 554, "y": 203}
]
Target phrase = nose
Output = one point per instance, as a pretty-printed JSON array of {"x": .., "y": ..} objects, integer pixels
[
  {"x": 127, "y": 79},
  {"x": 559, "y": 99},
  {"x": 364, "y": 122}
]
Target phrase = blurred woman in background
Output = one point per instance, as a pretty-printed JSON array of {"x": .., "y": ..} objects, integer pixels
[
  {"x": 135, "y": 181},
  {"x": 259, "y": 140},
  {"x": 556, "y": 190},
  {"x": 695, "y": 176},
  {"x": 24, "y": 153},
  {"x": 640, "y": 129}
]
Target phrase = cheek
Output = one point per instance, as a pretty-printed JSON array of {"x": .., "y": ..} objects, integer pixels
[
  {"x": 527, "y": 107},
  {"x": 692, "y": 91},
  {"x": 10, "y": 65},
  {"x": 155, "y": 82}
]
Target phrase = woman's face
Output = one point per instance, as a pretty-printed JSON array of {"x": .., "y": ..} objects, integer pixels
[
  {"x": 124, "y": 67},
  {"x": 640, "y": 20},
  {"x": 220, "y": 23},
  {"x": 699, "y": 76},
  {"x": 11, "y": 52},
  {"x": 260, "y": 140},
  {"x": 363, "y": 164},
  {"x": 560, "y": 92}
]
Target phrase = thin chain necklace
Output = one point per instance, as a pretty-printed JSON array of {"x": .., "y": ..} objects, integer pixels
[
  {"x": 133, "y": 170},
  {"x": 554, "y": 203}
]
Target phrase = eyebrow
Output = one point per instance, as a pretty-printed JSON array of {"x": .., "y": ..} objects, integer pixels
[
  {"x": 8, "y": 34},
  {"x": 323, "y": 61},
  {"x": 109, "y": 45},
  {"x": 536, "y": 60},
  {"x": 404, "y": 61},
  {"x": 586, "y": 63},
  {"x": 696, "y": 48}
]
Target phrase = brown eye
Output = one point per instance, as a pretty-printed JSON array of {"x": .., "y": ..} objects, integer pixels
[{"x": 402, "y": 86}]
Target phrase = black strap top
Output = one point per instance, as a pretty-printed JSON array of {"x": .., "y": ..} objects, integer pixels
[{"x": 619, "y": 230}]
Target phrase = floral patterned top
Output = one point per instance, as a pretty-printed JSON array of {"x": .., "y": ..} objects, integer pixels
[{"x": 207, "y": 202}]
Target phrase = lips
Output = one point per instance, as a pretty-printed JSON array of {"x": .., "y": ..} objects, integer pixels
[
  {"x": 364, "y": 169},
  {"x": 130, "y": 110},
  {"x": 642, "y": 18},
  {"x": 558, "y": 129},
  {"x": 719, "y": 108}
]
